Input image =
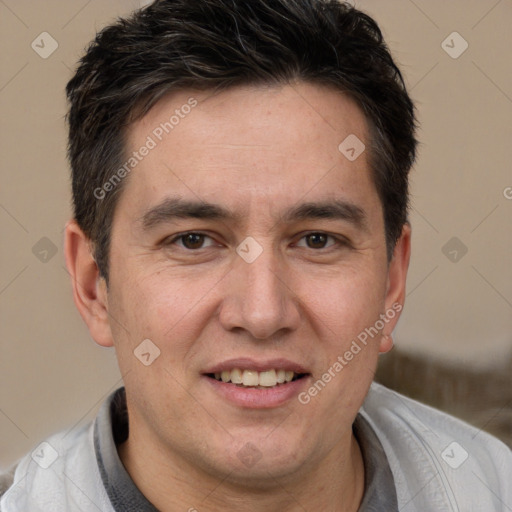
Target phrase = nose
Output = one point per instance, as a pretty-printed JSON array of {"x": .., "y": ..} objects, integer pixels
[{"x": 259, "y": 297}]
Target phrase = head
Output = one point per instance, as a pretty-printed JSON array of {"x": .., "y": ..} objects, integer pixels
[
  {"x": 215, "y": 45},
  {"x": 262, "y": 94}
]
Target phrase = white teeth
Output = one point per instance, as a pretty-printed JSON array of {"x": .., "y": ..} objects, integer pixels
[
  {"x": 252, "y": 378},
  {"x": 236, "y": 376},
  {"x": 268, "y": 379}
]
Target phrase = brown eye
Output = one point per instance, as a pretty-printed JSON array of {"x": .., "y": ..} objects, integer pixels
[
  {"x": 317, "y": 240},
  {"x": 192, "y": 240}
]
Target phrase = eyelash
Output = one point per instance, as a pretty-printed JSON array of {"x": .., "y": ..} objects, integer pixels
[{"x": 338, "y": 241}]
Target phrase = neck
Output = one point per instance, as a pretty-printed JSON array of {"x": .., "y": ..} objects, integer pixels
[{"x": 170, "y": 482}]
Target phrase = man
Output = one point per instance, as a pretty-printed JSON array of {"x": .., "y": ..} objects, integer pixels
[{"x": 240, "y": 237}]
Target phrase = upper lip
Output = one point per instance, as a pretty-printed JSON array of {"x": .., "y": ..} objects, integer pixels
[{"x": 246, "y": 363}]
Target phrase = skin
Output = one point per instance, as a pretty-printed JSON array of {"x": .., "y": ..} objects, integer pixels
[{"x": 257, "y": 151}]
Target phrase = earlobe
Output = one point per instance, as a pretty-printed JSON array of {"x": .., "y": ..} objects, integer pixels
[
  {"x": 89, "y": 289},
  {"x": 386, "y": 343},
  {"x": 397, "y": 276}
]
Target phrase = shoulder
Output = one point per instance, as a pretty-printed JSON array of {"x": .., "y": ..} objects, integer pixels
[
  {"x": 58, "y": 474},
  {"x": 445, "y": 461},
  {"x": 6, "y": 479}
]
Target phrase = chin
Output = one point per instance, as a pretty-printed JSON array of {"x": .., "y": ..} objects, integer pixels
[{"x": 258, "y": 463}]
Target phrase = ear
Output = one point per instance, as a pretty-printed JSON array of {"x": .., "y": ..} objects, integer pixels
[
  {"x": 89, "y": 289},
  {"x": 395, "y": 293}
]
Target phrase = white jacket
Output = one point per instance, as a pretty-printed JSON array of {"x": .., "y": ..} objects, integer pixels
[{"x": 439, "y": 464}]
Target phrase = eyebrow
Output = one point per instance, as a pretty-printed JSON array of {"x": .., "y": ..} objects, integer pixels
[{"x": 172, "y": 208}]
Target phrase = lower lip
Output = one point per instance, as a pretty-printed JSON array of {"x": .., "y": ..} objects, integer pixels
[{"x": 257, "y": 398}]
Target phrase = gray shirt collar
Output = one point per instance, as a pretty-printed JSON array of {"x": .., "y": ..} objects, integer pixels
[{"x": 110, "y": 429}]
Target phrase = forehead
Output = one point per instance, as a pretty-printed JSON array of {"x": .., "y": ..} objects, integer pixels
[{"x": 248, "y": 147}]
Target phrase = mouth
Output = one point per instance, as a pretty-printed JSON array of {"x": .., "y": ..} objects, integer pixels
[
  {"x": 254, "y": 379},
  {"x": 251, "y": 384}
]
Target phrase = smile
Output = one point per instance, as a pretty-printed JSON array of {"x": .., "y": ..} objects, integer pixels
[{"x": 254, "y": 379}]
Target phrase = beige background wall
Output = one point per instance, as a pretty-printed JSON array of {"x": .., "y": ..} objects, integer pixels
[{"x": 53, "y": 376}]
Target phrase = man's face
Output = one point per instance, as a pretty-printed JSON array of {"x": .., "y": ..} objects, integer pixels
[{"x": 292, "y": 297}]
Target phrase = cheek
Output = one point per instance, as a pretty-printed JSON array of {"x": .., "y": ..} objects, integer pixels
[
  {"x": 345, "y": 303},
  {"x": 344, "y": 315},
  {"x": 166, "y": 308}
]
